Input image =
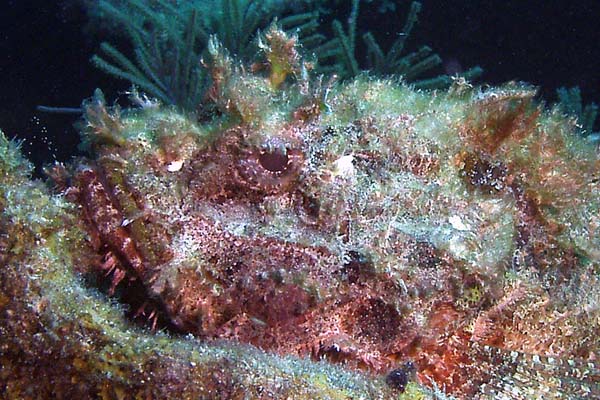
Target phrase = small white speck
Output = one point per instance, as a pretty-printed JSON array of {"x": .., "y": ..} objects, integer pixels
[
  {"x": 344, "y": 166},
  {"x": 457, "y": 223},
  {"x": 175, "y": 165}
]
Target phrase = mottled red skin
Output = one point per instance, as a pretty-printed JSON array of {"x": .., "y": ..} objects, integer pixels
[
  {"x": 359, "y": 326},
  {"x": 106, "y": 220},
  {"x": 345, "y": 312}
]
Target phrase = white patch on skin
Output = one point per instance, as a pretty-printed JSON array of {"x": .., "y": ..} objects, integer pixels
[
  {"x": 457, "y": 223},
  {"x": 175, "y": 165},
  {"x": 344, "y": 166}
]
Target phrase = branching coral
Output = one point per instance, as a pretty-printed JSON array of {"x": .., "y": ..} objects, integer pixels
[
  {"x": 571, "y": 103},
  {"x": 167, "y": 44},
  {"x": 342, "y": 49},
  {"x": 169, "y": 38}
]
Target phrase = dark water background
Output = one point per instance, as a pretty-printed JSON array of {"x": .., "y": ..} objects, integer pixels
[{"x": 45, "y": 52}]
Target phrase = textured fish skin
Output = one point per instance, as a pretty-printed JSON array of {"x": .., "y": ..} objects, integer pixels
[{"x": 526, "y": 376}]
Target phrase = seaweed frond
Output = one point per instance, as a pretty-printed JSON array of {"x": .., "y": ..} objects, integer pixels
[
  {"x": 411, "y": 67},
  {"x": 167, "y": 46},
  {"x": 169, "y": 39},
  {"x": 570, "y": 102}
]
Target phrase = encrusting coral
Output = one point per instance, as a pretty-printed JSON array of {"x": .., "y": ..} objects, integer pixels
[{"x": 312, "y": 240}]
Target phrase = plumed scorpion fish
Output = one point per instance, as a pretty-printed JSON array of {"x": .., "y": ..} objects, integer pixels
[{"x": 436, "y": 243}]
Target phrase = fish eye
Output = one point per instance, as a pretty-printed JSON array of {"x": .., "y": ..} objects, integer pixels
[{"x": 274, "y": 161}]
